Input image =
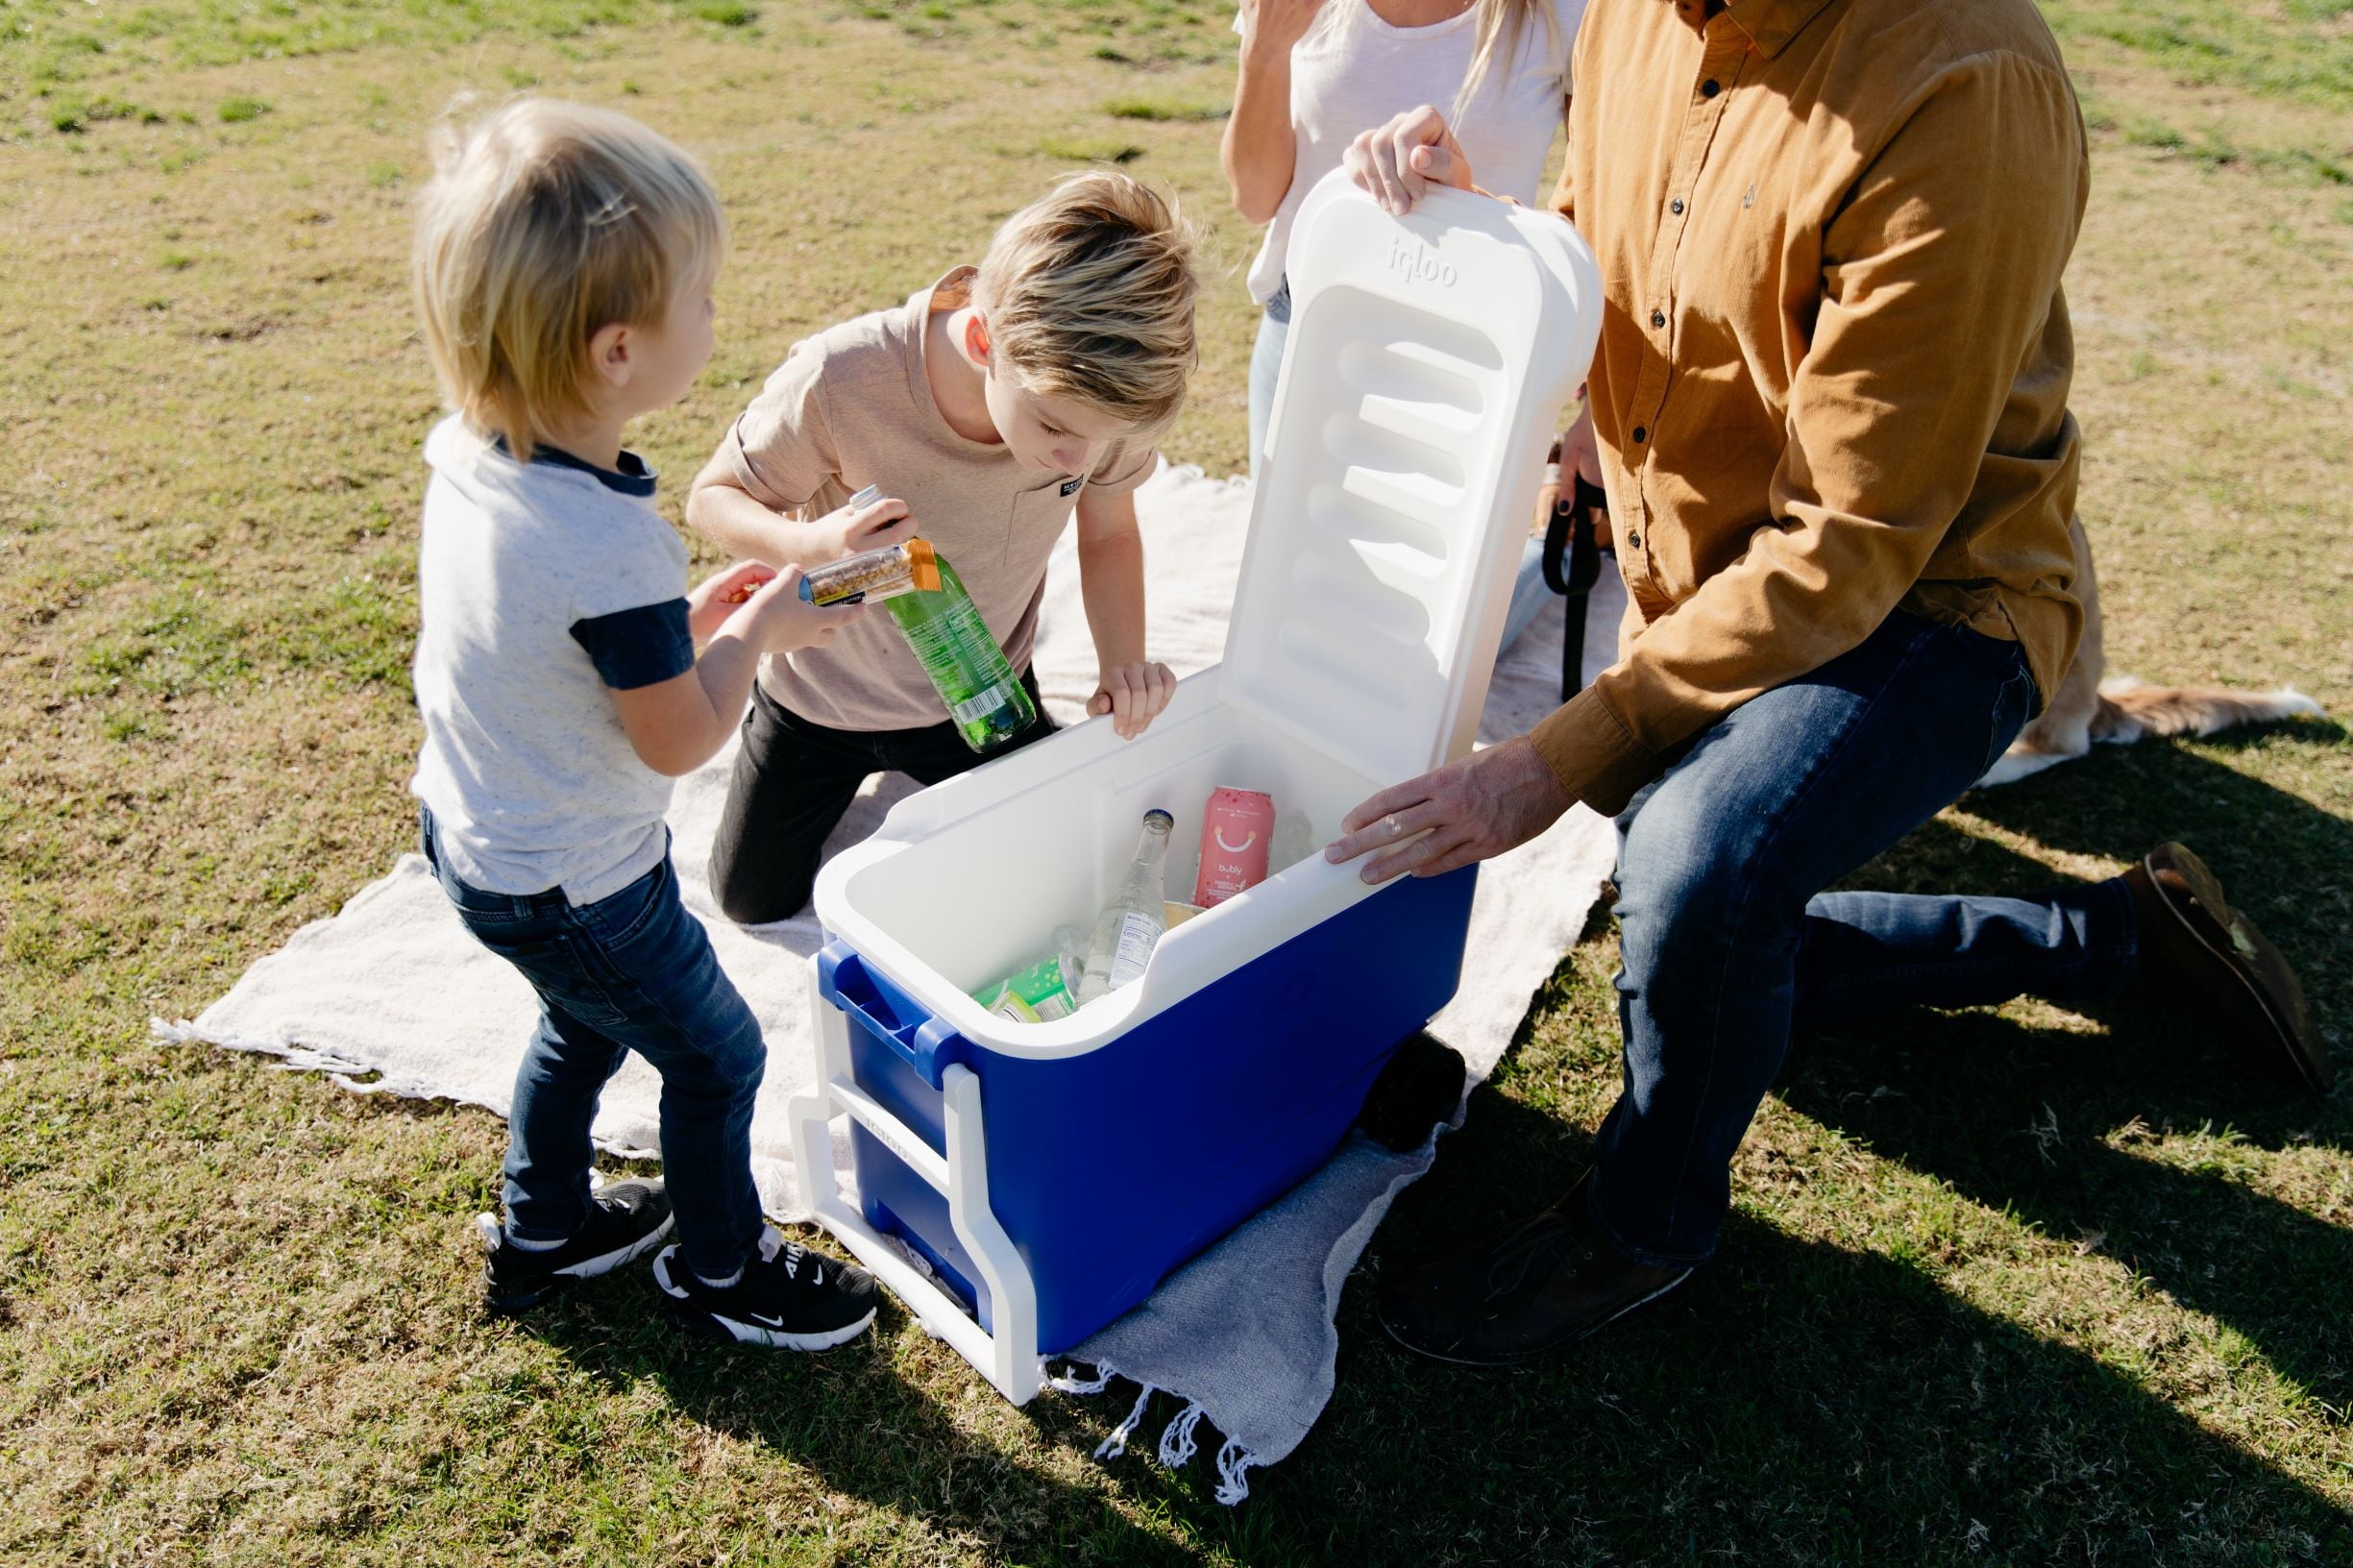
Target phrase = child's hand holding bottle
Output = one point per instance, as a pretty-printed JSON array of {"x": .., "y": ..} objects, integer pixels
[
  {"x": 719, "y": 595},
  {"x": 877, "y": 525},
  {"x": 773, "y": 618},
  {"x": 777, "y": 619}
]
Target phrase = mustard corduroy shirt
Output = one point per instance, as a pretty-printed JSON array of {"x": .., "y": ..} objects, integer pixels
[{"x": 1832, "y": 377}]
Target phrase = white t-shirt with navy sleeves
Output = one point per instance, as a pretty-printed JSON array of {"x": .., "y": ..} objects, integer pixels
[{"x": 541, "y": 585}]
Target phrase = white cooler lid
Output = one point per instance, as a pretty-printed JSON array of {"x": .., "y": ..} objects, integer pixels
[{"x": 1427, "y": 360}]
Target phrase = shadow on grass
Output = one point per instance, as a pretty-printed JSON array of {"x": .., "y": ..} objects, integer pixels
[
  {"x": 861, "y": 1425},
  {"x": 1795, "y": 1403},
  {"x": 2286, "y": 862}
]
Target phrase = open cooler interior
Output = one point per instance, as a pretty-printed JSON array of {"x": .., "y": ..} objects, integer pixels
[
  {"x": 975, "y": 904},
  {"x": 1370, "y": 567},
  {"x": 1425, "y": 369}
]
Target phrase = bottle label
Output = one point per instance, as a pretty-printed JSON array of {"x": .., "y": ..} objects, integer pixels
[
  {"x": 956, "y": 649},
  {"x": 1139, "y": 935},
  {"x": 996, "y": 697}
]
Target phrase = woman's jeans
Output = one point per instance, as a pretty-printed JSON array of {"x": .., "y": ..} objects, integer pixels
[
  {"x": 631, "y": 973},
  {"x": 1527, "y": 591},
  {"x": 1729, "y": 941}
]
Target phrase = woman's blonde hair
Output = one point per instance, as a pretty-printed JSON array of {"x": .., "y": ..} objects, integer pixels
[
  {"x": 543, "y": 223},
  {"x": 1088, "y": 294},
  {"x": 1503, "y": 28}
]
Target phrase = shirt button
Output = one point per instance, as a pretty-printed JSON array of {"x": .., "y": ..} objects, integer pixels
[
  {"x": 1676, "y": 207},
  {"x": 1709, "y": 88},
  {"x": 1635, "y": 540},
  {"x": 1658, "y": 318},
  {"x": 1641, "y": 435}
]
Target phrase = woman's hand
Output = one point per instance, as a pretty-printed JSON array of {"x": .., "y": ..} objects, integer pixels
[
  {"x": 1471, "y": 810},
  {"x": 1273, "y": 26},
  {"x": 1581, "y": 457},
  {"x": 1398, "y": 162}
]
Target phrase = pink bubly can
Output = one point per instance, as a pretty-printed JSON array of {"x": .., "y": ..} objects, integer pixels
[{"x": 1235, "y": 833}]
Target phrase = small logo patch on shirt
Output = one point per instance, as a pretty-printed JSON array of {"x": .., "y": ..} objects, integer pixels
[{"x": 1070, "y": 486}]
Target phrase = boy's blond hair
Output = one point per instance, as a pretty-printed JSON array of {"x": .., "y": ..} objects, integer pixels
[
  {"x": 543, "y": 223},
  {"x": 1088, "y": 294}
]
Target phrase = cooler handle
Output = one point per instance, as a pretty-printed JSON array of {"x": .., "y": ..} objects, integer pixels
[{"x": 929, "y": 1047}]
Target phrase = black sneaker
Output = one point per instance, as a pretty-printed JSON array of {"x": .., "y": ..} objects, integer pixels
[
  {"x": 789, "y": 1298},
  {"x": 1545, "y": 1286},
  {"x": 626, "y": 1220}
]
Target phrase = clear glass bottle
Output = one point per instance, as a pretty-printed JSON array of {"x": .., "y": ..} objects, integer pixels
[{"x": 1132, "y": 923}]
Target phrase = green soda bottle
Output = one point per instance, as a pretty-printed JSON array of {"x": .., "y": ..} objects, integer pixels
[
  {"x": 986, "y": 699},
  {"x": 958, "y": 653}
]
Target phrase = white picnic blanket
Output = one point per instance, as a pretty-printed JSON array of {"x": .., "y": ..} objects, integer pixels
[{"x": 391, "y": 996}]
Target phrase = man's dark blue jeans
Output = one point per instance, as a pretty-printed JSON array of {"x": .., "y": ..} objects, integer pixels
[
  {"x": 1728, "y": 939},
  {"x": 631, "y": 973}
]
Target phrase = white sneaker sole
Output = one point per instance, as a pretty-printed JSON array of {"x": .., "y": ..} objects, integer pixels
[{"x": 759, "y": 1333}]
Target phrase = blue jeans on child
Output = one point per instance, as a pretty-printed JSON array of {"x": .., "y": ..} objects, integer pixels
[
  {"x": 631, "y": 973},
  {"x": 1728, "y": 940},
  {"x": 1527, "y": 591}
]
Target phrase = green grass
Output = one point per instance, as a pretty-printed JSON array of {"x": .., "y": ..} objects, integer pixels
[
  {"x": 1091, "y": 148},
  {"x": 2007, "y": 1287},
  {"x": 2294, "y": 49},
  {"x": 1158, "y": 109}
]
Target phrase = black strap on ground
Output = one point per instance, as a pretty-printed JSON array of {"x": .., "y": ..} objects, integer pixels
[{"x": 1572, "y": 565}]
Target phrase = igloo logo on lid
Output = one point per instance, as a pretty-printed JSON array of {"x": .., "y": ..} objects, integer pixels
[{"x": 1416, "y": 263}]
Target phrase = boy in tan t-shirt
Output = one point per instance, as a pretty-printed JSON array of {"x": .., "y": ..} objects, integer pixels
[{"x": 986, "y": 409}]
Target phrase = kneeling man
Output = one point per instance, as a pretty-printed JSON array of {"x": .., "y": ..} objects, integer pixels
[{"x": 1830, "y": 407}]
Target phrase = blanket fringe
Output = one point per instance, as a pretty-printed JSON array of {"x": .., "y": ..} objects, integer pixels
[
  {"x": 1114, "y": 1445},
  {"x": 1071, "y": 1382},
  {"x": 345, "y": 1073},
  {"x": 1232, "y": 1460},
  {"x": 292, "y": 1056},
  {"x": 1176, "y": 1440}
]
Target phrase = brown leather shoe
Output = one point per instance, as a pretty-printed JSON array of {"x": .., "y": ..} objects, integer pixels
[
  {"x": 2191, "y": 938},
  {"x": 1544, "y": 1286}
]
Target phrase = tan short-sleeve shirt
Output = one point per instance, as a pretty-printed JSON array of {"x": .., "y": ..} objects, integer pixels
[{"x": 852, "y": 407}]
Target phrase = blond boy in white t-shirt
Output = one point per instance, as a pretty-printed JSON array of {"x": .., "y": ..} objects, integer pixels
[{"x": 565, "y": 673}]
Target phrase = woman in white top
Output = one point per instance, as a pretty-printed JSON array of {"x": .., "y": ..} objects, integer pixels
[{"x": 1317, "y": 73}]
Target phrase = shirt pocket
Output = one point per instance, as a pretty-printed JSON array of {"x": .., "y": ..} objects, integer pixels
[{"x": 1033, "y": 522}]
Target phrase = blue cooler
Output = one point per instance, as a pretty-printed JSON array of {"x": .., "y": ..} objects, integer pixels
[{"x": 1049, "y": 1175}]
